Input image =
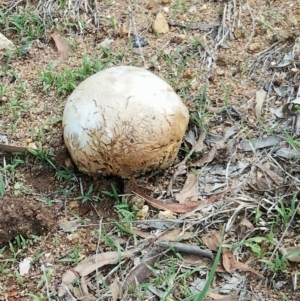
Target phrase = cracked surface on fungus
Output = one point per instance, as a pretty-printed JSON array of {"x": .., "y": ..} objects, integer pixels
[{"x": 124, "y": 121}]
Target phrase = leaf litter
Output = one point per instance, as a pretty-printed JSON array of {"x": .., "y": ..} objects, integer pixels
[{"x": 233, "y": 181}]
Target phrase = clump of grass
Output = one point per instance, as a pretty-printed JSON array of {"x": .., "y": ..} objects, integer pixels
[
  {"x": 64, "y": 82},
  {"x": 26, "y": 24}
]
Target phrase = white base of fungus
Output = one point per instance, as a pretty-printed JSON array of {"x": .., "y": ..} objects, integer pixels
[{"x": 124, "y": 121}]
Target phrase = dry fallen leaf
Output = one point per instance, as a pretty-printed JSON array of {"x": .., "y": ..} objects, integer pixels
[
  {"x": 209, "y": 156},
  {"x": 206, "y": 158},
  {"x": 84, "y": 285},
  {"x": 115, "y": 290},
  {"x": 249, "y": 93},
  {"x": 195, "y": 260},
  {"x": 175, "y": 207},
  {"x": 265, "y": 178},
  {"x": 257, "y": 143},
  {"x": 260, "y": 98},
  {"x": 199, "y": 145},
  {"x": 231, "y": 265},
  {"x": 262, "y": 182},
  {"x": 171, "y": 235},
  {"x": 61, "y": 44},
  {"x": 292, "y": 253},
  {"x": 214, "y": 110},
  {"x": 89, "y": 265},
  {"x": 167, "y": 214},
  {"x": 189, "y": 192},
  {"x": 12, "y": 148},
  {"x": 244, "y": 226},
  {"x": 141, "y": 272},
  {"x": 212, "y": 240},
  {"x": 160, "y": 24},
  {"x": 274, "y": 176},
  {"x": 176, "y": 235},
  {"x": 220, "y": 297},
  {"x": 5, "y": 43}
]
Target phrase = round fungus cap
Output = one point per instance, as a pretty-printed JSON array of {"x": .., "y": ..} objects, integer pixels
[{"x": 124, "y": 121}]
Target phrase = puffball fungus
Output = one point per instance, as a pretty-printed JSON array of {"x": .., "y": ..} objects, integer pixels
[{"x": 123, "y": 121}]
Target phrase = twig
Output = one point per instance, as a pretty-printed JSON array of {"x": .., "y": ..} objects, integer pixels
[
  {"x": 132, "y": 23},
  {"x": 201, "y": 26},
  {"x": 180, "y": 169},
  {"x": 46, "y": 282},
  {"x": 5, "y": 174},
  {"x": 12, "y": 6},
  {"x": 253, "y": 26},
  {"x": 97, "y": 250},
  {"x": 186, "y": 248}
]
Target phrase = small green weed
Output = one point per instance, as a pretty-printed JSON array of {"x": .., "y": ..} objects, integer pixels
[
  {"x": 284, "y": 297},
  {"x": 265, "y": 23},
  {"x": 294, "y": 143},
  {"x": 245, "y": 66},
  {"x": 23, "y": 243},
  {"x": 25, "y": 23},
  {"x": 39, "y": 297},
  {"x": 64, "y": 82},
  {"x": 10, "y": 169},
  {"x": 285, "y": 212},
  {"x": 126, "y": 216},
  {"x": 21, "y": 188},
  {"x": 113, "y": 193},
  {"x": 255, "y": 244},
  {"x": 88, "y": 196},
  {"x": 276, "y": 265},
  {"x": 73, "y": 257},
  {"x": 226, "y": 94},
  {"x": 2, "y": 186},
  {"x": 64, "y": 174},
  {"x": 44, "y": 156}
]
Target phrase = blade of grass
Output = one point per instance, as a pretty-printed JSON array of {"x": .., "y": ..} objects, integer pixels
[
  {"x": 2, "y": 187},
  {"x": 202, "y": 294}
]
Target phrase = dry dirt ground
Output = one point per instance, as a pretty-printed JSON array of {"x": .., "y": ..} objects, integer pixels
[{"x": 236, "y": 66}]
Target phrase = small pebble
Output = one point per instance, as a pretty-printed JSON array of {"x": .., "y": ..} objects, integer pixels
[
  {"x": 267, "y": 86},
  {"x": 254, "y": 47},
  {"x": 136, "y": 202},
  {"x": 138, "y": 42},
  {"x": 193, "y": 9},
  {"x": 294, "y": 70},
  {"x": 32, "y": 145},
  {"x": 274, "y": 39},
  {"x": 166, "y": 9},
  {"x": 166, "y": 214},
  {"x": 220, "y": 72},
  {"x": 142, "y": 214},
  {"x": 203, "y": 7},
  {"x": 73, "y": 237},
  {"x": 256, "y": 79},
  {"x": 73, "y": 205},
  {"x": 182, "y": 36},
  {"x": 106, "y": 43}
]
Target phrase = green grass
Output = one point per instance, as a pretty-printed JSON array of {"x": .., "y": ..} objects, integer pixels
[
  {"x": 88, "y": 196},
  {"x": 64, "y": 82},
  {"x": 24, "y": 27},
  {"x": 73, "y": 257},
  {"x": 26, "y": 24}
]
